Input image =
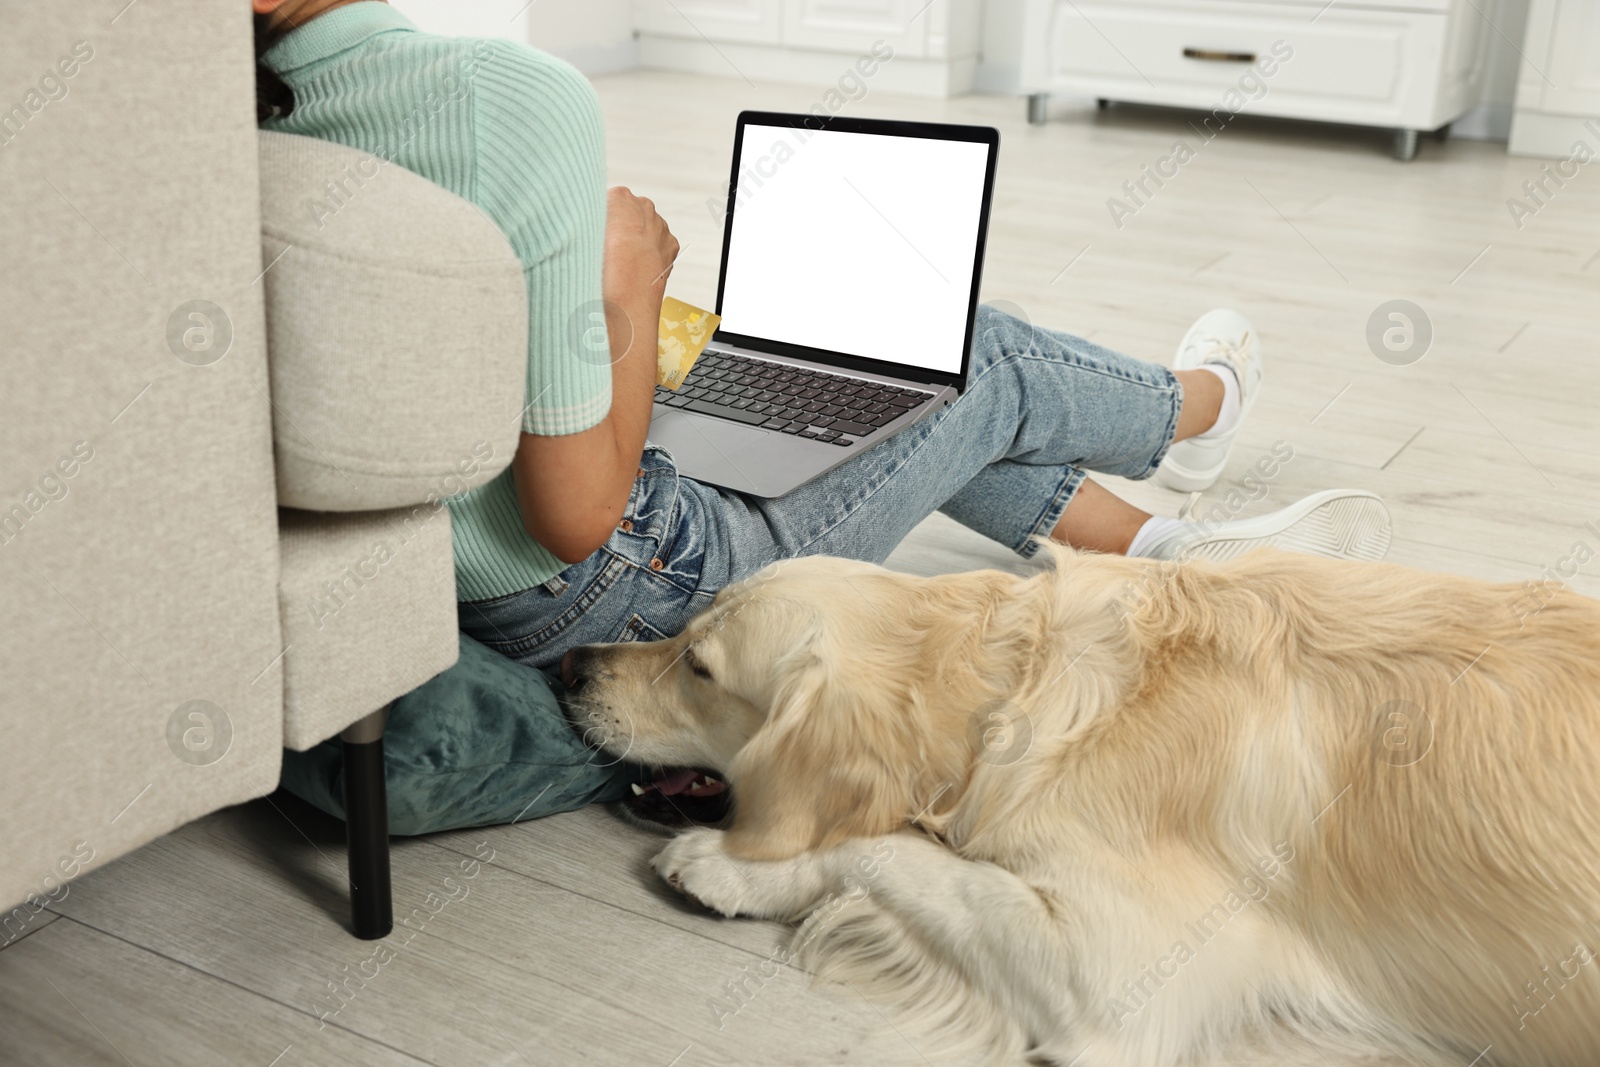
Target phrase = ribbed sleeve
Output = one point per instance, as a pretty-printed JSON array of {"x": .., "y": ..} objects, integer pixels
[
  {"x": 518, "y": 133},
  {"x": 494, "y": 554},
  {"x": 541, "y": 178}
]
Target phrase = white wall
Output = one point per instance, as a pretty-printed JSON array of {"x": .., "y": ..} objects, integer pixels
[
  {"x": 596, "y": 36},
  {"x": 1491, "y": 121},
  {"x": 1000, "y": 64},
  {"x": 478, "y": 18}
]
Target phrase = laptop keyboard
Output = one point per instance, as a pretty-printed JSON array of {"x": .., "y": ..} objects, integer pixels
[{"x": 796, "y": 400}]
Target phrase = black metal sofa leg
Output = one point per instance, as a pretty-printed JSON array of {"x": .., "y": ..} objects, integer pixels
[{"x": 366, "y": 817}]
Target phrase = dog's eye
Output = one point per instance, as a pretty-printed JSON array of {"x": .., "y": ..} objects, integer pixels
[{"x": 696, "y": 666}]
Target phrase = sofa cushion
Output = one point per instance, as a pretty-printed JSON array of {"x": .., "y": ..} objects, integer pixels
[
  {"x": 396, "y": 331},
  {"x": 368, "y": 605}
]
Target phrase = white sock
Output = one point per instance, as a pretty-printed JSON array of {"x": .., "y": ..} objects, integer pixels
[
  {"x": 1153, "y": 530},
  {"x": 1232, "y": 402}
]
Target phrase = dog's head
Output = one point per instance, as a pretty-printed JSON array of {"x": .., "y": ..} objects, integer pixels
[{"x": 835, "y": 696}]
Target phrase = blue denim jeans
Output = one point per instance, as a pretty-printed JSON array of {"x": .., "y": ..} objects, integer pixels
[{"x": 1042, "y": 409}]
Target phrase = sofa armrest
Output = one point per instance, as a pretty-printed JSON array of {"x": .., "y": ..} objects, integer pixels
[{"x": 397, "y": 331}]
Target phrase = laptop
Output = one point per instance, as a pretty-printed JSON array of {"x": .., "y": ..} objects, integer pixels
[{"x": 852, "y": 251}]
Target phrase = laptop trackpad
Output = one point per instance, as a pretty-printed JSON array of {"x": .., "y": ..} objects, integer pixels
[{"x": 746, "y": 459}]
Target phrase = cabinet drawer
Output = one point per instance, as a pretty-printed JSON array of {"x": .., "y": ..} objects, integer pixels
[
  {"x": 1178, "y": 47},
  {"x": 1376, "y": 66},
  {"x": 1306, "y": 10}
]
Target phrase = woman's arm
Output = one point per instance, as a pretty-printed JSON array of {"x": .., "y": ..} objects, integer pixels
[
  {"x": 539, "y": 173},
  {"x": 571, "y": 489}
]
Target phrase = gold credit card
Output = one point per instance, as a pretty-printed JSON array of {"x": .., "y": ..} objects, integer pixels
[{"x": 685, "y": 332}]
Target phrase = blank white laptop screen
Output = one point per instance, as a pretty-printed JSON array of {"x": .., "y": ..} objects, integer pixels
[{"x": 856, "y": 243}]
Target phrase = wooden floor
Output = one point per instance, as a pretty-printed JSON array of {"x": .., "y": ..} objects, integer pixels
[{"x": 218, "y": 944}]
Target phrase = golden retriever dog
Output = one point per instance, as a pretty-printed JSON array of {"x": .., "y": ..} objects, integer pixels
[{"x": 1124, "y": 813}]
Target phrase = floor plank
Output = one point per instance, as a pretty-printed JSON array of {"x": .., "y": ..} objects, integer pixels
[
  {"x": 75, "y": 995},
  {"x": 25, "y": 923},
  {"x": 495, "y": 965},
  {"x": 595, "y": 854}
]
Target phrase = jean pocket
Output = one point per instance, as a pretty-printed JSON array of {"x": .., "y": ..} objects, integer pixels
[
  {"x": 536, "y": 626},
  {"x": 637, "y": 628}
]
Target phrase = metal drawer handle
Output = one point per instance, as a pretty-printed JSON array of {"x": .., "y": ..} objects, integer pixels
[{"x": 1219, "y": 57}]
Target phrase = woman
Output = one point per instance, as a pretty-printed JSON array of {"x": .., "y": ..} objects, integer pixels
[{"x": 591, "y": 535}]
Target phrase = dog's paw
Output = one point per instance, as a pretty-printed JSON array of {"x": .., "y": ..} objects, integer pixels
[{"x": 695, "y": 865}]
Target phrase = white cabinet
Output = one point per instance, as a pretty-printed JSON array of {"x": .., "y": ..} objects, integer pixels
[
  {"x": 752, "y": 21},
  {"x": 1558, "y": 91},
  {"x": 1412, "y": 66},
  {"x": 934, "y": 43}
]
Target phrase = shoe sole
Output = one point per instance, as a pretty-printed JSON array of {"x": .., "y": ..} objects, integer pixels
[
  {"x": 1185, "y": 480},
  {"x": 1339, "y": 525}
]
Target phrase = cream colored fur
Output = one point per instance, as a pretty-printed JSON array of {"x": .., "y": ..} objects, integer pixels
[{"x": 1131, "y": 813}]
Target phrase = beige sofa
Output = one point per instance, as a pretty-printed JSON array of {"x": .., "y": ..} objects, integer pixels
[{"x": 226, "y": 423}]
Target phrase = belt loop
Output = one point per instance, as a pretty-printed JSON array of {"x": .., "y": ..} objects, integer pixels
[{"x": 555, "y": 586}]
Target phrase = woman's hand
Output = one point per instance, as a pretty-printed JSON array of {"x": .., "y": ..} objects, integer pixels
[
  {"x": 640, "y": 252},
  {"x": 640, "y": 249}
]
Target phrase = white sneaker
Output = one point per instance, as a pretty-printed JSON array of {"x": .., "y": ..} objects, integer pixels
[
  {"x": 1337, "y": 523},
  {"x": 1225, "y": 337}
]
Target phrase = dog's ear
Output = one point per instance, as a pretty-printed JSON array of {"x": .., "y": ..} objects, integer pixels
[{"x": 831, "y": 763}]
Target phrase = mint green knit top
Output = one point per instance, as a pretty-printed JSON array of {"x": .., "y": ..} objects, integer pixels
[{"x": 518, "y": 133}]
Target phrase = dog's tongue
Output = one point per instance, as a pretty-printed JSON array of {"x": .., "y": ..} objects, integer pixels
[
  {"x": 689, "y": 781},
  {"x": 677, "y": 782}
]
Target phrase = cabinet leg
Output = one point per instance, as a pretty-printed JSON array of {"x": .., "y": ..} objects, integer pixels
[
  {"x": 1442, "y": 134},
  {"x": 1038, "y": 108},
  {"x": 1405, "y": 145},
  {"x": 366, "y": 818}
]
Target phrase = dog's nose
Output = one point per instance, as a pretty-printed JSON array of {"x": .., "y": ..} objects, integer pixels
[{"x": 572, "y": 674}]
